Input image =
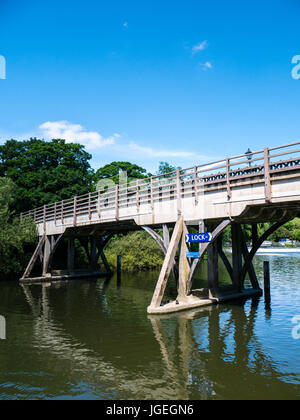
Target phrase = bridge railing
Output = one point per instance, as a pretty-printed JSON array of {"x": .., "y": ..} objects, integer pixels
[{"x": 193, "y": 181}]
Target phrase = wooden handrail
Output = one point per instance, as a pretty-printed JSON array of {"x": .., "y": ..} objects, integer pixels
[{"x": 162, "y": 186}]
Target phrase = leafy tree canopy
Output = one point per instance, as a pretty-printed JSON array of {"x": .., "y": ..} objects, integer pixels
[
  {"x": 45, "y": 172},
  {"x": 165, "y": 168},
  {"x": 113, "y": 169}
]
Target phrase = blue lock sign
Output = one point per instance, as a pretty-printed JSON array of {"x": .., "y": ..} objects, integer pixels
[{"x": 198, "y": 237}]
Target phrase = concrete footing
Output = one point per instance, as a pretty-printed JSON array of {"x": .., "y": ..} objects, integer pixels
[
  {"x": 191, "y": 302},
  {"x": 47, "y": 279}
]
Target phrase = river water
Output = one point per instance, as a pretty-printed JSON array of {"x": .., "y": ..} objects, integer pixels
[{"x": 94, "y": 340}]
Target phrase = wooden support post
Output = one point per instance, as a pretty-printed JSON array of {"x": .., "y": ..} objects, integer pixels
[
  {"x": 62, "y": 212},
  {"x": 166, "y": 236},
  {"x": 75, "y": 211},
  {"x": 44, "y": 218},
  {"x": 47, "y": 252},
  {"x": 93, "y": 253},
  {"x": 254, "y": 233},
  {"x": 229, "y": 193},
  {"x": 167, "y": 265},
  {"x": 196, "y": 185},
  {"x": 90, "y": 207},
  {"x": 117, "y": 202},
  {"x": 236, "y": 256},
  {"x": 201, "y": 230},
  {"x": 105, "y": 262},
  {"x": 55, "y": 213},
  {"x": 213, "y": 269},
  {"x": 137, "y": 196},
  {"x": 119, "y": 264},
  {"x": 99, "y": 204},
  {"x": 34, "y": 257},
  {"x": 179, "y": 197},
  {"x": 152, "y": 194},
  {"x": 184, "y": 267},
  {"x": 223, "y": 256},
  {"x": 267, "y": 283},
  {"x": 248, "y": 263},
  {"x": 268, "y": 191},
  {"x": 71, "y": 254}
]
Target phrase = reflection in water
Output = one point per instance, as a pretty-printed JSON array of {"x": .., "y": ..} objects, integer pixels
[
  {"x": 232, "y": 349},
  {"x": 93, "y": 340}
]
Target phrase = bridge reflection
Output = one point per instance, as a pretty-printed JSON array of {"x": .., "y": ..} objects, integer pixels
[{"x": 207, "y": 353}]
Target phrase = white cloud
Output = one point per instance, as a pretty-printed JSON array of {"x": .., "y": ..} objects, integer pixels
[
  {"x": 206, "y": 66},
  {"x": 75, "y": 133},
  {"x": 199, "y": 47},
  {"x": 149, "y": 152}
]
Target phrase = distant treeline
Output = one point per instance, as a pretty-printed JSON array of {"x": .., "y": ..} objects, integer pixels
[{"x": 37, "y": 172}]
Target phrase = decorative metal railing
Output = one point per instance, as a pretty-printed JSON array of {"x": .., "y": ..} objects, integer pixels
[{"x": 223, "y": 174}]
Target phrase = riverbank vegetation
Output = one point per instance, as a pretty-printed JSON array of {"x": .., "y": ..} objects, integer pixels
[
  {"x": 37, "y": 172},
  {"x": 16, "y": 238}
]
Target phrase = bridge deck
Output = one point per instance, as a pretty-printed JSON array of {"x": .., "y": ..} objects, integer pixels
[{"x": 263, "y": 186}]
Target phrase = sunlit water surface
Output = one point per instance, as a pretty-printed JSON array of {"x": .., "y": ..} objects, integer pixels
[{"x": 94, "y": 340}]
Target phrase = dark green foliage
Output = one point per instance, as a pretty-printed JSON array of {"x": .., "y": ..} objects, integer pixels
[
  {"x": 113, "y": 170},
  {"x": 138, "y": 250},
  {"x": 45, "y": 172},
  {"x": 165, "y": 168},
  {"x": 15, "y": 237}
]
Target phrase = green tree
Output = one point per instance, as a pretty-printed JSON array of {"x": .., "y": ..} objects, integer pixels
[
  {"x": 165, "y": 168},
  {"x": 45, "y": 172},
  {"x": 15, "y": 237},
  {"x": 113, "y": 169}
]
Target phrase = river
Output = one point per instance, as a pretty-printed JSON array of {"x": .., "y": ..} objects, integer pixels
[{"x": 94, "y": 340}]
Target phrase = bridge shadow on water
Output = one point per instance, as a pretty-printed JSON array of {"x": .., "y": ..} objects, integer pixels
[{"x": 93, "y": 340}]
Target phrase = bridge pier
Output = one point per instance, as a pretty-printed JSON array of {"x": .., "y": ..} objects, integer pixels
[
  {"x": 187, "y": 297},
  {"x": 46, "y": 251}
]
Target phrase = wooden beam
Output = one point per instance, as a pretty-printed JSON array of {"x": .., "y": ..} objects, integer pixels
[
  {"x": 237, "y": 262},
  {"x": 260, "y": 241},
  {"x": 216, "y": 233},
  {"x": 71, "y": 254},
  {"x": 34, "y": 257},
  {"x": 163, "y": 244},
  {"x": 224, "y": 257},
  {"x": 268, "y": 188},
  {"x": 248, "y": 263},
  {"x": 184, "y": 267},
  {"x": 167, "y": 265},
  {"x": 47, "y": 253},
  {"x": 213, "y": 269}
]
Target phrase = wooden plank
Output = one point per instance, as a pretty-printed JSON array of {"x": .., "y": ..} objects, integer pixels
[
  {"x": 184, "y": 267},
  {"x": 178, "y": 185},
  {"x": 34, "y": 257},
  {"x": 167, "y": 265},
  {"x": 237, "y": 261},
  {"x": 248, "y": 262},
  {"x": 71, "y": 254},
  {"x": 117, "y": 202},
  {"x": 268, "y": 192},
  {"x": 216, "y": 233},
  {"x": 229, "y": 193},
  {"x": 47, "y": 253},
  {"x": 224, "y": 258},
  {"x": 213, "y": 269}
]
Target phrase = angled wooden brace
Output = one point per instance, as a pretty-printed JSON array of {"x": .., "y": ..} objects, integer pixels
[
  {"x": 167, "y": 265},
  {"x": 163, "y": 244},
  {"x": 216, "y": 233},
  {"x": 34, "y": 257}
]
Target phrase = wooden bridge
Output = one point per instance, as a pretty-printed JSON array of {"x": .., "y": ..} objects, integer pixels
[{"x": 252, "y": 188}]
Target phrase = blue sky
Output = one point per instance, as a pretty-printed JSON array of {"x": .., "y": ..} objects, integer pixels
[{"x": 183, "y": 82}]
